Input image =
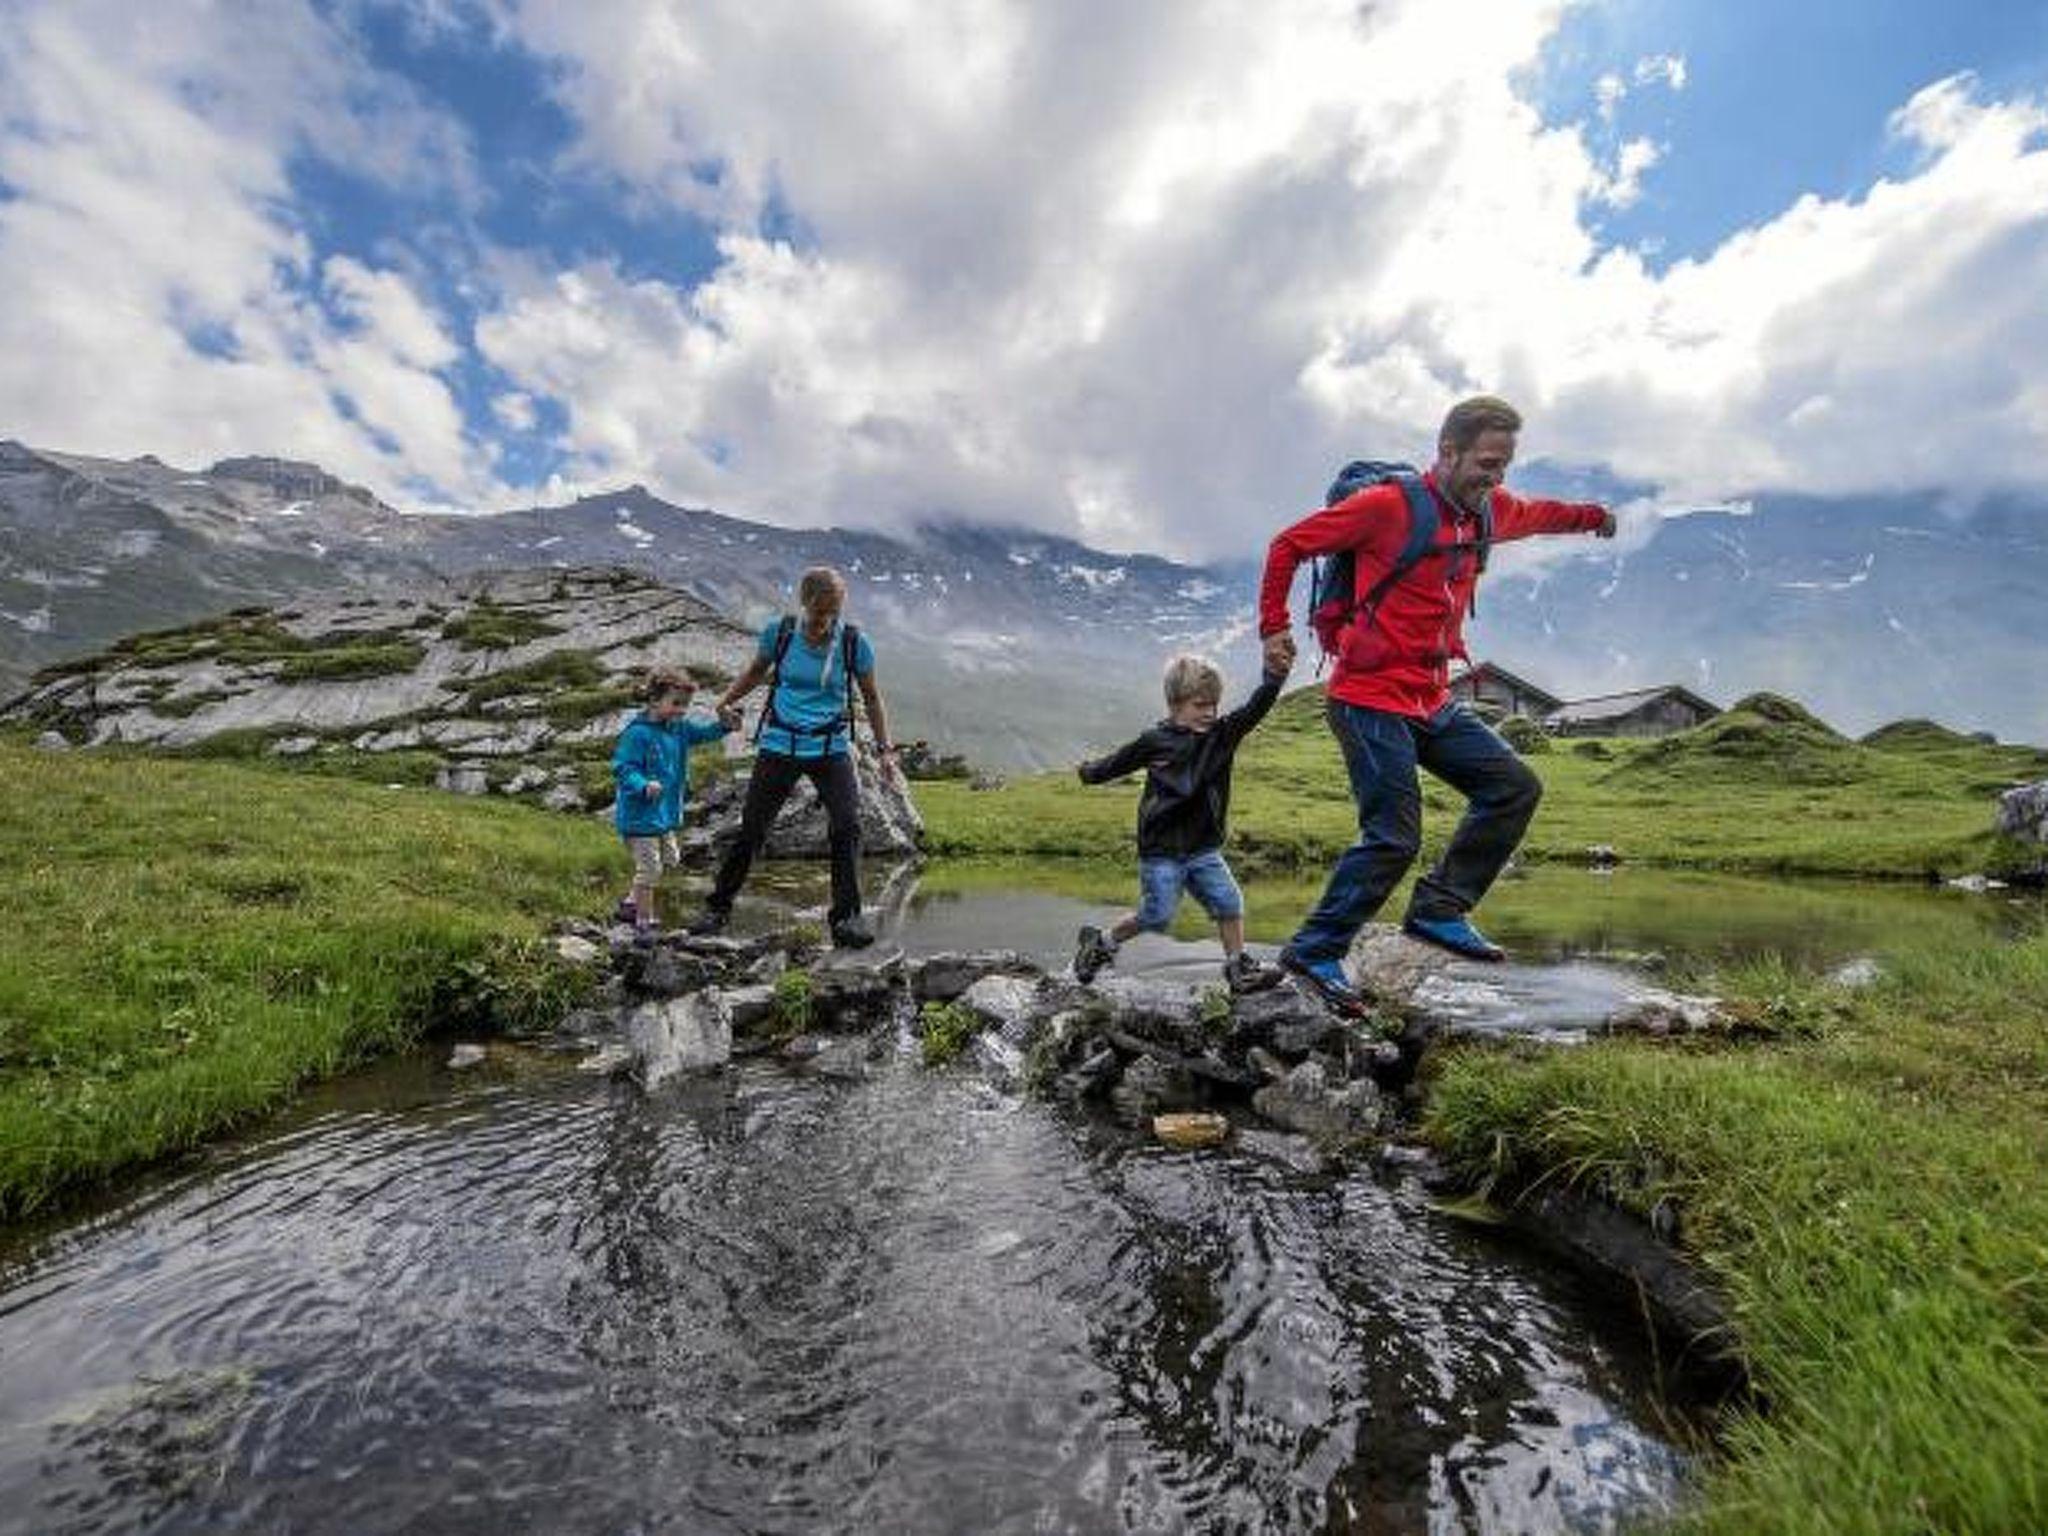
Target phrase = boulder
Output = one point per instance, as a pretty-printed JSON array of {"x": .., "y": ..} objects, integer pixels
[
  {"x": 1333, "y": 1114},
  {"x": 856, "y": 988},
  {"x": 463, "y": 1057},
  {"x": 664, "y": 971},
  {"x": 2023, "y": 812},
  {"x": 941, "y": 978},
  {"x": 1148, "y": 1088},
  {"x": 1653, "y": 1011},
  {"x": 750, "y": 1006},
  {"x": 53, "y": 741},
  {"x": 677, "y": 1035},
  {"x": 463, "y": 779},
  {"x": 1389, "y": 966},
  {"x": 1005, "y": 1002},
  {"x": 889, "y": 820}
]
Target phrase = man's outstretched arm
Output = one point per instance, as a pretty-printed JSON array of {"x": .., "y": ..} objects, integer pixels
[{"x": 1514, "y": 518}]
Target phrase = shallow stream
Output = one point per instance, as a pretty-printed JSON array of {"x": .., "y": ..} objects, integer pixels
[{"x": 525, "y": 1299}]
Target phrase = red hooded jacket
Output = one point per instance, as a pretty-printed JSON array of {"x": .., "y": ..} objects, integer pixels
[{"x": 1400, "y": 662}]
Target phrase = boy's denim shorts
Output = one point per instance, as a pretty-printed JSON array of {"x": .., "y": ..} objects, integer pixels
[{"x": 1203, "y": 875}]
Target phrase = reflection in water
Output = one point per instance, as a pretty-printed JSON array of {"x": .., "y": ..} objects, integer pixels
[
  {"x": 764, "y": 1303},
  {"x": 1545, "y": 913}
]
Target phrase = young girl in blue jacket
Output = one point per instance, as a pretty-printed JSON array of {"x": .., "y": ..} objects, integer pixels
[{"x": 651, "y": 767}]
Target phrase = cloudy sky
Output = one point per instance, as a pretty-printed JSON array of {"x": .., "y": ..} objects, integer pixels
[{"x": 1139, "y": 271}]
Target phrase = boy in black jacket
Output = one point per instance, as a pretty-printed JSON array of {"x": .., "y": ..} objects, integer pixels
[{"x": 1186, "y": 758}]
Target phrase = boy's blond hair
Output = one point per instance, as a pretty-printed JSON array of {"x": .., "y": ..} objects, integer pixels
[
  {"x": 1191, "y": 679},
  {"x": 664, "y": 682}
]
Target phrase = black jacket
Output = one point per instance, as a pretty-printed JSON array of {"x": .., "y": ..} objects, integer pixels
[{"x": 1187, "y": 777}]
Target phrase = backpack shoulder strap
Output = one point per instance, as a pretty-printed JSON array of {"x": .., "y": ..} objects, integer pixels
[
  {"x": 1422, "y": 522},
  {"x": 849, "y": 649},
  {"x": 785, "y": 631}
]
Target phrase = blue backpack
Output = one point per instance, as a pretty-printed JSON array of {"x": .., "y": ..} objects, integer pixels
[{"x": 1333, "y": 600}]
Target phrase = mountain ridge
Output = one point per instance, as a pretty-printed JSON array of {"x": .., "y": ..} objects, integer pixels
[{"x": 1024, "y": 648}]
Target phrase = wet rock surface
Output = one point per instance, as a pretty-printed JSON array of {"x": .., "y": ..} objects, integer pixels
[{"x": 1182, "y": 1063}]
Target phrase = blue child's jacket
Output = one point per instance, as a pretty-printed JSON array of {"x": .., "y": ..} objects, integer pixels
[{"x": 650, "y": 750}]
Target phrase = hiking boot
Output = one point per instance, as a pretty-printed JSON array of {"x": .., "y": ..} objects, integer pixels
[
  {"x": 711, "y": 920},
  {"x": 851, "y": 933},
  {"x": 1456, "y": 935},
  {"x": 1326, "y": 979},
  {"x": 627, "y": 912},
  {"x": 1093, "y": 949},
  {"x": 1243, "y": 974}
]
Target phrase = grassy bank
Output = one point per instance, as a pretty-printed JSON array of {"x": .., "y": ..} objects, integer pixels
[
  {"x": 1765, "y": 791},
  {"x": 181, "y": 944},
  {"x": 1872, "y": 1198}
]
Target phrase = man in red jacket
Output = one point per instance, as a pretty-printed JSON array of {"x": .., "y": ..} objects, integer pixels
[{"x": 1389, "y": 697}]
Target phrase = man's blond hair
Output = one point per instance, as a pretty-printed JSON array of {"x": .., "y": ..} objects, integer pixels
[{"x": 1190, "y": 679}]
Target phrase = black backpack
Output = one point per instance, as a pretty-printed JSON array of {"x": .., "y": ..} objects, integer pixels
[
  {"x": 1333, "y": 601},
  {"x": 849, "y": 647}
]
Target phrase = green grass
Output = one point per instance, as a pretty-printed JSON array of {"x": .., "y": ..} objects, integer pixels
[
  {"x": 487, "y": 627},
  {"x": 553, "y": 673},
  {"x": 1760, "y": 790},
  {"x": 1873, "y": 1201},
  {"x": 182, "y": 943},
  {"x": 376, "y": 659}
]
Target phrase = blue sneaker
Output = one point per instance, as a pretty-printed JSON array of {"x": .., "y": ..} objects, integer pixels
[
  {"x": 1455, "y": 934},
  {"x": 1326, "y": 979}
]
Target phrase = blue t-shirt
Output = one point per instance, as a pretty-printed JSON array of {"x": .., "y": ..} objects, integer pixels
[{"x": 812, "y": 691}]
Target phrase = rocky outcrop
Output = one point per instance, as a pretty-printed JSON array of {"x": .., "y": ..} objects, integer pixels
[
  {"x": 889, "y": 818},
  {"x": 515, "y": 684},
  {"x": 2023, "y": 812}
]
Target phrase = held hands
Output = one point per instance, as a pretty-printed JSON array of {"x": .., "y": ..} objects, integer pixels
[
  {"x": 885, "y": 757},
  {"x": 651, "y": 789},
  {"x": 1279, "y": 652},
  {"x": 729, "y": 716}
]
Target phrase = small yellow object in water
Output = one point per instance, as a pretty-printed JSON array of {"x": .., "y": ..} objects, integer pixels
[{"x": 1188, "y": 1132}]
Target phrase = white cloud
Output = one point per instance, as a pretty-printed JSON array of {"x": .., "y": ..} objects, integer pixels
[
  {"x": 1143, "y": 273},
  {"x": 1667, "y": 69},
  {"x": 167, "y": 298}
]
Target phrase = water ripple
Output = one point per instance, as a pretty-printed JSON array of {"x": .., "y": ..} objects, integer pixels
[{"x": 767, "y": 1303}]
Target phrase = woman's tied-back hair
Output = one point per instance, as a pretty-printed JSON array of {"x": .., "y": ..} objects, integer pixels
[
  {"x": 666, "y": 682},
  {"x": 1469, "y": 418},
  {"x": 816, "y": 582},
  {"x": 1192, "y": 679}
]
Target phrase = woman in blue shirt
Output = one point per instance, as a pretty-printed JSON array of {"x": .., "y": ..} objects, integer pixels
[{"x": 816, "y": 661}]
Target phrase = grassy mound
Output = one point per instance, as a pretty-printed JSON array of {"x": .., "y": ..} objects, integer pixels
[
  {"x": 1916, "y": 736},
  {"x": 182, "y": 942},
  {"x": 1763, "y": 737},
  {"x": 1779, "y": 710}
]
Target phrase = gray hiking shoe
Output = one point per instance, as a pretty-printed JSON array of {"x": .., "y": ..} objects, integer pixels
[
  {"x": 1093, "y": 949},
  {"x": 852, "y": 933},
  {"x": 1243, "y": 974}
]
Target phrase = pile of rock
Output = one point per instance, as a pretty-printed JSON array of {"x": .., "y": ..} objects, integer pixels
[
  {"x": 1133, "y": 1048},
  {"x": 1136, "y": 1049}
]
